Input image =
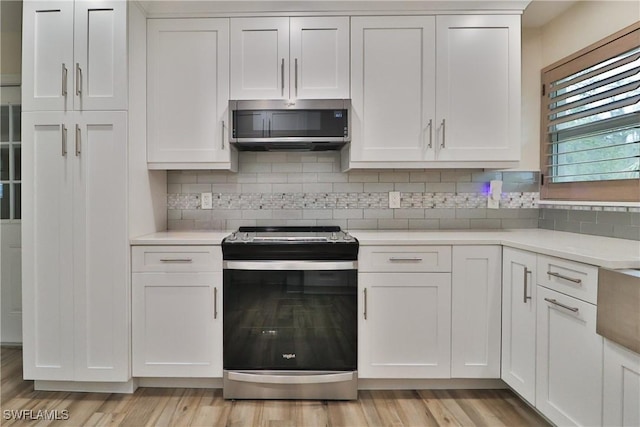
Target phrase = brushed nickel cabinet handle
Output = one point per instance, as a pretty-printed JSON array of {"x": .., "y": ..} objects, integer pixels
[
  {"x": 64, "y": 141},
  {"x": 223, "y": 134},
  {"x": 215, "y": 303},
  {"x": 177, "y": 260},
  {"x": 78, "y": 141},
  {"x": 526, "y": 273},
  {"x": 430, "y": 126},
  {"x": 443, "y": 133},
  {"x": 65, "y": 74},
  {"x": 78, "y": 79},
  {"x": 406, "y": 259},
  {"x": 282, "y": 76},
  {"x": 560, "y": 276},
  {"x": 566, "y": 307},
  {"x": 364, "y": 312},
  {"x": 296, "y": 76}
]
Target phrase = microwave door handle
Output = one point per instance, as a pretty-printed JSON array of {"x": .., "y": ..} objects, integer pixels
[
  {"x": 269, "y": 134},
  {"x": 263, "y": 127}
]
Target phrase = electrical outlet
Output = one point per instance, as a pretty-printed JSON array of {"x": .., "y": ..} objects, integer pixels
[
  {"x": 206, "y": 201},
  {"x": 495, "y": 192},
  {"x": 394, "y": 199}
]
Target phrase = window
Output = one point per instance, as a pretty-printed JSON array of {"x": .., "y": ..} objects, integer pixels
[
  {"x": 591, "y": 122},
  {"x": 10, "y": 162}
]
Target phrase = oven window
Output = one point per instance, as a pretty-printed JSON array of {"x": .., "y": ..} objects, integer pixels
[{"x": 290, "y": 320}]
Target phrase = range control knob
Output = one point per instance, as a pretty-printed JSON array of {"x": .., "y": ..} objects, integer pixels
[
  {"x": 334, "y": 236},
  {"x": 233, "y": 237},
  {"x": 348, "y": 236},
  {"x": 245, "y": 236}
]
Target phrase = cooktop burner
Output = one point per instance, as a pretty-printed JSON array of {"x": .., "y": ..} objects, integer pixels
[{"x": 294, "y": 243}]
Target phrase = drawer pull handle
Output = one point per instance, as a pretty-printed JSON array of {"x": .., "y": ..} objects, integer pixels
[
  {"x": 560, "y": 276},
  {"x": 554, "y": 302},
  {"x": 176, "y": 260},
  {"x": 413, "y": 259}
]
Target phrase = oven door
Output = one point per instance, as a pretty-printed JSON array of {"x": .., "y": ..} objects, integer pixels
[{"x": 290, "y": 316}]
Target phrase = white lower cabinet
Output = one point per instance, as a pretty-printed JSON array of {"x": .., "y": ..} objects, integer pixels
[
  {"x": 177, "y": 324},
  {"x": 519, "y": 322},
  {"x": 475, "y": 312},
  {"x": 75, "y": 285},
  {"x": 621, "y": 388},
  {"x": 404, "y": 325},
  {"x": 568, "y": 360}
]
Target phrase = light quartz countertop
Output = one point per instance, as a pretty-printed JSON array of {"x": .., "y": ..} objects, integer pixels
[
  {"x": 600, "y": 251},
  {"x": 181, "y": 238}
]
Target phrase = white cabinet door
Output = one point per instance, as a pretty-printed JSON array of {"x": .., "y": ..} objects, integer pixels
[
  {"x": 319, "y": 57},
  {"x": 188, "y": 93},
  {"x": 621, "y": 388},
  {"x": 75, "y": 274},
  {"x": 75, "y": 55},
  {"x": 475, "y": 317},
  {"x": 404, "y": 325},
  {"x": 260, "y": 58},
  {"x": 100, "y": 249},
  {"x": 392, "y": 88},
  {"x": 568, "y": 360},
  {"x": 478, "y": 90},
  {"x": 47, "y": 245},
  {"x": 100, "y": 54},
  {"x": 519, "y": 322},
  {"x": 177, "y": 324},
  {"x": 47, "y": 62}
]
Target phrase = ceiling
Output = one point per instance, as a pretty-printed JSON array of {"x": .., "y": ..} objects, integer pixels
[{"x": 539, "y": 12}]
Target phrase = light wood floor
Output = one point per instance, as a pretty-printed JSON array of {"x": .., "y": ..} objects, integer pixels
[{"x": 206, "y": 407}]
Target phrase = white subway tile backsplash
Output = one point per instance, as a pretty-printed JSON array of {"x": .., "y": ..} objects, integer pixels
[{"x": 308, "y": 188}]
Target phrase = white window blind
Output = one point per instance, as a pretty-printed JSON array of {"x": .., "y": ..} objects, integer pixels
[{"x": 593, "y": 122}]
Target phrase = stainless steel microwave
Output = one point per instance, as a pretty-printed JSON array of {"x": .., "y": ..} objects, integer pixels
[{"x": 282, "y": 125}]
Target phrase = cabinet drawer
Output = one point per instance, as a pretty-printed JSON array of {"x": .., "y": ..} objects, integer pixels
[
  {"x": 569, "y": 277},
  {"x": 405, "y": 259},
  {"x": 176, "y": 258}
]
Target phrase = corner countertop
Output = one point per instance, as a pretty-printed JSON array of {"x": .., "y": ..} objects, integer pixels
[
  {"x": 605, "y": 252},
  {"x": 599, "y": 251}
]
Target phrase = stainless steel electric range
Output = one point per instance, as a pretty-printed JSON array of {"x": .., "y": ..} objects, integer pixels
[{"x": 290, "y": 313}]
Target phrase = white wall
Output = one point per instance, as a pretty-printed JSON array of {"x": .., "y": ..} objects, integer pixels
[
  {"x": 531, "y": 66},
  {"x": 583, "y": 24},
  {"x": 10, "y": 37},
  {"x": 579, "y": 26}
]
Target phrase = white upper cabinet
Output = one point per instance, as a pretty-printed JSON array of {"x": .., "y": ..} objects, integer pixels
[
  {"x": 289, "y": 58},
  {"x": 319, "y": 58},
  {"x": 392, "y": 88},
  {"x": 75, "y": 55},
  {"x": 188, "y": 94},
  {"x": 478, "y": 90},
  {"x": 47, "y": 42},
  {"x": 439, "y": 91}
]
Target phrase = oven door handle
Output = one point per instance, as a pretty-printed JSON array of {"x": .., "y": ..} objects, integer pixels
[
  {"x": 291, "y": 379},
  {"x": 290, "y": 265}
]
